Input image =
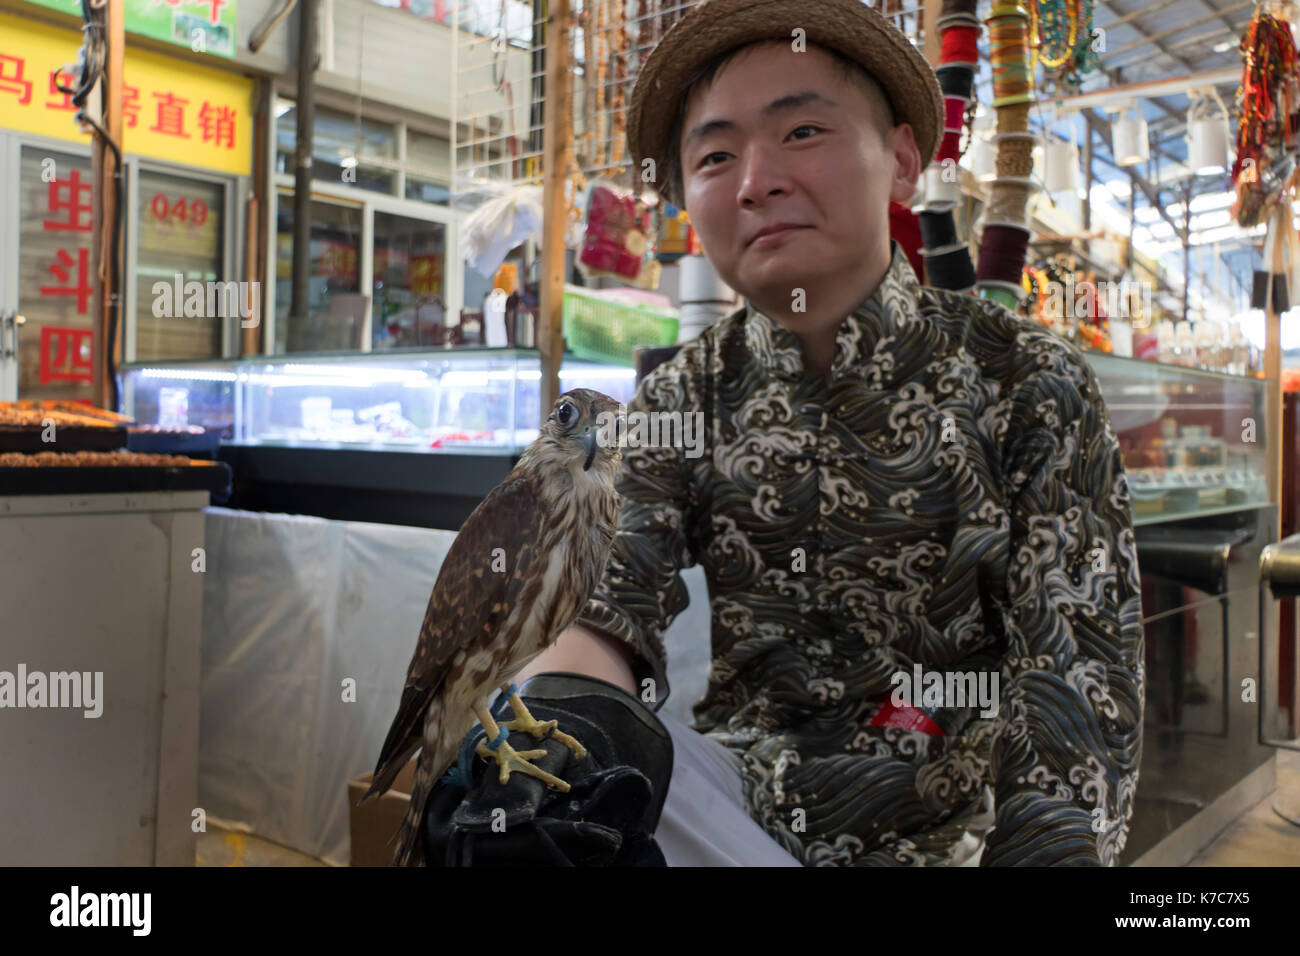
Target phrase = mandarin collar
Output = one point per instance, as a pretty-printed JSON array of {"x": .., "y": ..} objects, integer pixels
[{"x": 890, "y": 309}]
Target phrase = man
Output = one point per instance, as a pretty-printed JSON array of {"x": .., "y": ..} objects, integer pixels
[{"x": 898, "y": 482}]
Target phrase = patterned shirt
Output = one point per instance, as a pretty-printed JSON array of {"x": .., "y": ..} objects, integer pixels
[{"x": 954, "y": 499}]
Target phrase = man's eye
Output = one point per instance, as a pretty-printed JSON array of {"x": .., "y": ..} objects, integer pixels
[
  {"x": 705, "y": 160},
  {"x": 815, "y": 129}
]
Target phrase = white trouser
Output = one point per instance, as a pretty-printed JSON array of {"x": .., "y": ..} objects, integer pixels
[{"x": 704, "y": 822}]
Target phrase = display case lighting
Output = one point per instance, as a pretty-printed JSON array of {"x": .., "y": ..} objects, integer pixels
[
  {"x": 188, "y": 375},
  {"x": 370, "y": 374},
  {"x": 593, "y": 373},
  {"x": 460, "y": 378},
  {"x": 298, "y": 381}
]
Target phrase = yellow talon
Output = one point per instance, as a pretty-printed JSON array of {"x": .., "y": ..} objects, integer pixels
[
  {"x": 511, "y": 760},
  {"x": 525, "y": 722}
]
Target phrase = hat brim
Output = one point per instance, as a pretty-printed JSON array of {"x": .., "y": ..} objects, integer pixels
[{"x": 718, "y": 26}]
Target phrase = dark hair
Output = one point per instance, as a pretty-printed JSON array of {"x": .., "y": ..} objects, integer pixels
[{"x": 850, "y": 70}]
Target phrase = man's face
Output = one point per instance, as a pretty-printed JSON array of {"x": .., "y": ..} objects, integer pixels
[{"x": 796, "y": 144}]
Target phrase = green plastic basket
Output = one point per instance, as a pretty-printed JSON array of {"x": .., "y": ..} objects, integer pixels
[{"x": 605, "y": 331}]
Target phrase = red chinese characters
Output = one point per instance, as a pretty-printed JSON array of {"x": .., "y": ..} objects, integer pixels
[
  {"x": 216, "y": 121},
  {"x": 65, "y": 195},
  {"x": 70, "y": 204},
  {"x": 11, "y": 78},
  {"x": 214, "y": 5},
  {"x": 218, "y": 125},
  {"x": 62, "y": 271},
  {"x": 171, "y": 115},
  {"x": 130, "y": 105},
  {"x": 66, "y": 355}
]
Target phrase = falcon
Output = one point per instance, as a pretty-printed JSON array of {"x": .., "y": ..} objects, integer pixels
[{"x": 519, "y": 572}]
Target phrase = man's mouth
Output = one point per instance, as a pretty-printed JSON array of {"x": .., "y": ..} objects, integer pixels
[{"x": 766, "y": 238}]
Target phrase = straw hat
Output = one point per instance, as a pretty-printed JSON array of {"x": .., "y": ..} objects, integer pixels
[{"x": 849, "y": 26}]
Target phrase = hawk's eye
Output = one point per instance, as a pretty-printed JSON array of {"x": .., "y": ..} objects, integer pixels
[{"x": 566, "y": 414}]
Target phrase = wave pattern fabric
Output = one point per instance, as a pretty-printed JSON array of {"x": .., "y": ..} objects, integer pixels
[{"x": 954, "y": 497}]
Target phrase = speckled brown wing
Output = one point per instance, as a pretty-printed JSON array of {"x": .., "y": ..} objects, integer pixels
[{"x": 469, "y": 604}]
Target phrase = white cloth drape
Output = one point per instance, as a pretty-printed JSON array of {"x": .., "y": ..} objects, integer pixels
[{"x": 296, "y": 606}]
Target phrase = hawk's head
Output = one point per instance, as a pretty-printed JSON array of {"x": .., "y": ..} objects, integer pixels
[{"x": 584, "y": 424}]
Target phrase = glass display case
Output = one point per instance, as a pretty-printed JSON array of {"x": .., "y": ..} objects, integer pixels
[
  {"x": 1194, "y": 442},
  {"x": 182, "y": 393},
  {"x": 420, "y": 401}
]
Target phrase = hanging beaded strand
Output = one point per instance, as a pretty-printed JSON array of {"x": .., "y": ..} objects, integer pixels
[
  {"x": 947, "y": 258},
  {"x": 1006, "y": 235},
  {"x": 1269, "y": 78}
]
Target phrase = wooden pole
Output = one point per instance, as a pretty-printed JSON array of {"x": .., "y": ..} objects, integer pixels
[
  {"x": 305, "y": 104},
  {"x": 933, "y": 41},
  {"x": 1273, "y": 363},
  {"x": 555, "y": 149},
  {"x": 106, "y": 341},
  {"x": 250, "y": 336},
  {"x": 1087, "y": 174}
]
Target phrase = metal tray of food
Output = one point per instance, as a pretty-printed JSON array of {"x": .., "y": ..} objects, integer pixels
[
  {"x": 30, "y": 426},
  {"x": 84, "y": 474}
]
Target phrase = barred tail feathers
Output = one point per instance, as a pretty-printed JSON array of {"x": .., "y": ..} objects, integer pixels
[{"x": 447, "y": 722}]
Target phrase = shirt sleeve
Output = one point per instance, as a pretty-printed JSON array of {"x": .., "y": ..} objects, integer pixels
[
  {"x": 1065, "y": 759},
  {"x": 642, "y": 591}
]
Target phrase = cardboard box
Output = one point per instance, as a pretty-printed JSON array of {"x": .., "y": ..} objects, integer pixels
[{"x": 374, "y": 825}]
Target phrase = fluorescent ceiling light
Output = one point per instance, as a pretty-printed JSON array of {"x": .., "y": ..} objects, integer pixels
[
  {"x": 1211, "y": 220},
  {"x": 1209, "y": 201}
]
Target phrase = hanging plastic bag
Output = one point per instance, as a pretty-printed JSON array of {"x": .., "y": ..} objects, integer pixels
[
  {"x": 619, "y": 237},
  {"x": 499, "y": 225}
]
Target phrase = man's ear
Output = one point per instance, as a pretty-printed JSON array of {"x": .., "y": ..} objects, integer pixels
[{"x": 907, "y": 163}]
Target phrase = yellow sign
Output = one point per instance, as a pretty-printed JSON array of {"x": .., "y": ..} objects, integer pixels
[{"x": 172, "y": 110}]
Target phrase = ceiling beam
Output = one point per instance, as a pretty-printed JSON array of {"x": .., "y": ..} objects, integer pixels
[
  {"x": 1221, "y": 14},
  {"x": 1141, "y": 11},
  {"x": 1191, "y": 40},
  {"x": 1147, "y": 89},
  {"x": 1153, "y": 38}
]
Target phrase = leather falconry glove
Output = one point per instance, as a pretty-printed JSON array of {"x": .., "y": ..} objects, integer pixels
[{"x": 608, "y": 817}]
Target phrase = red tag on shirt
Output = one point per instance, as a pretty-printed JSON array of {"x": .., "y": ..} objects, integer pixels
[{"x": 905, "y": 718}]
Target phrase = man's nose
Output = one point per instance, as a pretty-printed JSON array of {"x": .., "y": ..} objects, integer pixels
[{"x": 763, "y": 173}]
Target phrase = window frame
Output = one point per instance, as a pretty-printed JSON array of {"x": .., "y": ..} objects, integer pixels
[{"x": 281, "y": 187}]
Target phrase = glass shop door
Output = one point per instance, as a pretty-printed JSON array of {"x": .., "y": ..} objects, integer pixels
[{"x": 46, "y": 276}]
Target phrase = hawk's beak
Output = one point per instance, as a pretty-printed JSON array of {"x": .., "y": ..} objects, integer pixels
[{"x": 590, "y": 440}]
